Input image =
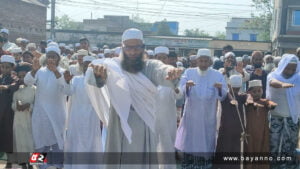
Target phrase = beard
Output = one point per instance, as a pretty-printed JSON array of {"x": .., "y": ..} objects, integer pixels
[
  {"x": 133, "y": 65},
  {"x": 269, "y": 67}
]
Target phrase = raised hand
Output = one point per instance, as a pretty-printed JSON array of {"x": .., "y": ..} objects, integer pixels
[
  {"x": 100, "y": 71},
  {"x": 51, "y": 65},
  {"x": 174, "y": 74},
  {"x": 36, "y": 64},
  {"x": 68, "y": 77},
  {"x": 190, "y": 83},
  {"x": 287, "y": 85},
  {"x": 218, "y": 85}
]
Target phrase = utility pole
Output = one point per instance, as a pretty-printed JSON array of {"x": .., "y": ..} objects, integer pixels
[{"x": 52, "y": 36}]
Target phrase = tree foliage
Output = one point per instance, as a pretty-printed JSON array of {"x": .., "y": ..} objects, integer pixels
[
  {"x": 196, "y": 33},
  {"x": 163, "y": 29},
  {"x": 262, "y": 20},
  {"x": 65, "y": 22},
  {"x": 220, "y": 35}
]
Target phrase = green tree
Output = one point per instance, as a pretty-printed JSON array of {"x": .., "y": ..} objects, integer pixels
[
  {"x": 65, "y": 22},
  {"x": 163, "y": 29},
  {"x": 196, "y": 33},
  {"x": 220, "y": 35},
  {"x": 262, "y": 20}
]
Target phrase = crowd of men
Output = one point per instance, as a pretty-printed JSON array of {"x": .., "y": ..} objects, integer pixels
[{"x": 56, "y": 98}]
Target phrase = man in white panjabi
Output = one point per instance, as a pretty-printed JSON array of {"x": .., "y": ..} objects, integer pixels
[
  {"x": 76, "y": 69},
  {"x": 166, "y": 112},
  {"x": 49, "y": 110},
  {"x": 83, "y": 134},
  {"x": 196, "y": 134},
  {"x": 7, "y": 44},
  {"x": 131, "y": 82}
]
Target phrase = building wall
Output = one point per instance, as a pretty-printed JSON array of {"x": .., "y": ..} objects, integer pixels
[
  {"x": 236, "y": 26},
  {"x": 285, "y": 35},
  {"x": 23, "y": 20},
  {"x": 177, "y": 43}
]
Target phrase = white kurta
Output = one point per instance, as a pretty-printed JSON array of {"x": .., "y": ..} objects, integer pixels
[
  {"x": 83, "y": 130},
  {"x": 22, "y": 119},
  {"x": 197, "y": 129},
  {"x": 75, "y": 70},
  {"x": 49, "y": 110},
  {"x": 166, "y": 124},
  {"x": 142, "y": 138},
  {"x": 8, "y": 45}
]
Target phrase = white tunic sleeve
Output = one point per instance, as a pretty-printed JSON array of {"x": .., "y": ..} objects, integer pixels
[{"x": 29, "y": 79}]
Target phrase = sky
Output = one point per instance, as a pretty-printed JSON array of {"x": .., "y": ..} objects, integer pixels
[{"x": 208, "y": 15}]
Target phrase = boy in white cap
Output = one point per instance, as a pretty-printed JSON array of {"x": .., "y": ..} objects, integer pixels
[
  {"x": 22, "y": 105},
  {"x": 232, "y": 121},
  {"x": 131, "y": 125},
  {"x": 196, "y": 134},
  {"x": 257, "y": 128},
  {"x": 49, "y": 108},
  {"x": 8, "y": 85},
  {"x": 83, "y": 130}
]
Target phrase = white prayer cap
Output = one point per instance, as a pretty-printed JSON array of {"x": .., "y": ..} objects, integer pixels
[
  {"x": 19, "y": 40},
  {"x": 31, "y": 45},
  {"x": 49, "y": 41},
  {"x": 150, "y": 52},
  {"x": 222, "y": 58},
  {"x": 203, "y": 52},
  {"x": 118, "y": 50},
  {"x": 132, "y": 33},
  {"x": 62, "y": 45},
  {"x": 68, "y": 47},
  {"x": 277, "y": 59},
  {"x": 179, "y": 64},
  {"x": 53, "y": 48},
  {"x": 255, "y": 83},
  {"x": 82, "y": 52},
  {"x": 228, "y": 54},
  {"x": 4, "y": 31},
  {"x": 236, "y": 81},
  {"x": 52, "y": 44},
  {"x": 193, "y": 57},
  {"x": 88, "y": 58},
  {"x": 101, "y": 55},
  {"x": 94, "y": 48},
  {"x": 239, "y": 59},
  {"x": 8, "y": 58},
  {"x": 161, "y": 49},
  {"x": 106, "y": 51},
  {"x": 71, "y": 45},
  {"x": 77, "y": 44},
  {"x": 15, "y": 50}
]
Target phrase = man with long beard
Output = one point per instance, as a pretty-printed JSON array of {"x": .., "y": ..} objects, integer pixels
[{"x": 132, "y": 82}]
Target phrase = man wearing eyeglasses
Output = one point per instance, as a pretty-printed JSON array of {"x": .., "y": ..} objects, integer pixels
[{"x": 132, "y": 83}]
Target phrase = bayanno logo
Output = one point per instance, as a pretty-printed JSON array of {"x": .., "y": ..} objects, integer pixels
[{"x": 38, "y": 158}]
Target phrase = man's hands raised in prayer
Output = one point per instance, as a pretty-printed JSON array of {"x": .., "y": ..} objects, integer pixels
[
  {"x": 100, "y": 71},
  {"x": 174, "y": 74},
  {"x": 68, "y": 77}
]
